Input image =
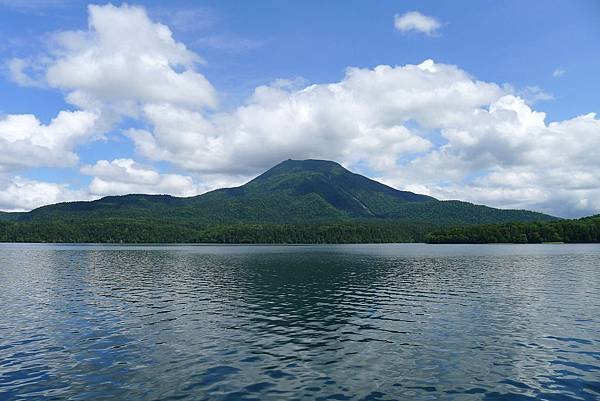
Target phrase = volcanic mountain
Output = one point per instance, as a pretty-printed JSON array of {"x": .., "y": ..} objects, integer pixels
[{"x": 294, "y": 191}]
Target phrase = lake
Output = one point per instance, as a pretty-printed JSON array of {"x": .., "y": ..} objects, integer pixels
[{"x": 345, "y": 322}]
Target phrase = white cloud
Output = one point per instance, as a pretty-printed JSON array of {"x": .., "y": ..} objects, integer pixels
[
  {"x": 26, "y": 142},
  {"x": 508, "y": 156},
  {"x": 17, "y": 73},
  {"x": 122, "y": 63},
  {"x": 363, "y": 118},
  {"x": 557, "y": 73},
  {"x": 123, "y": 60},
  {"x": 20, "y": 194},
  {"x": 125, "y": 176},
  {"x": 414, "y": 21}
]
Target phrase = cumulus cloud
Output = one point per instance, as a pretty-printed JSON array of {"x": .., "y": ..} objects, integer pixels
[
  {"x": 362, "y": 118},
  {"x": 123, "y": 60},
  {"x": 26, "y": 142},
  {"x": 557, "y": 73},
  {"x": 20, "y": 194},
  {"x": 116, "y": 177},
  {"x": 125, "y": 176},
  {"x": 414, "y": 21},
  {"x": 508, "y": 156}
]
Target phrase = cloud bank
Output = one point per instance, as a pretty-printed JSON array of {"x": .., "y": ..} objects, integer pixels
[{"x": 125, "y": 176}]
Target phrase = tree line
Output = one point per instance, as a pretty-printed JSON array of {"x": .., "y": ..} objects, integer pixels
[
  {"x": 118, "y": 230},
  {"x": 130, "y": 230},
  {"x": 586, "y": 230}
]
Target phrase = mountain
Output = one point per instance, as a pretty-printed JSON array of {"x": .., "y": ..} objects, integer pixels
[
  {"x": 298, "y": 192},
  {"x": 294, "y": 191},
  {"x": 291, "y": 192}
]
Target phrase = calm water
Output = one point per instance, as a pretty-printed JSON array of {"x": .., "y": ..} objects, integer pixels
[{"x": 372, "y": 322}]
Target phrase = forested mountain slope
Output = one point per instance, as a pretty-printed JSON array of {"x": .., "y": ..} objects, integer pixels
[{"x": 294, "y": 192}]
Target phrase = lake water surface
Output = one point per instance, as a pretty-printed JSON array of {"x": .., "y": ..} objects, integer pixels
[{"x": 348, "y": 322}]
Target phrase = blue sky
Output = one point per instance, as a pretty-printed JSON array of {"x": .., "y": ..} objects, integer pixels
[{"x": 543, "y": 53}]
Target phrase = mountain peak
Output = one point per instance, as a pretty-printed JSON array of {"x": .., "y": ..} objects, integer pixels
[
  {"x": 291, "y": 167},
  {"x": 309, "y": 165},
  {"x": 353, "y": 194}
]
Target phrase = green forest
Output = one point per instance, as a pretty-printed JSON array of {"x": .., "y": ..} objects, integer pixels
[
  {"x": 157, "y": 231},
  {"x": 583, "y": 230},
  {"x": 135, "y": 230}
]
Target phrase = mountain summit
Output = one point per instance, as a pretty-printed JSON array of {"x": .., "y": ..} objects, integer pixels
[{"x": 353, "y": 194}]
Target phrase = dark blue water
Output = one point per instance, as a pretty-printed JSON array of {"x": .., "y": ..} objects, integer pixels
[{"x": 380, "y": 322}]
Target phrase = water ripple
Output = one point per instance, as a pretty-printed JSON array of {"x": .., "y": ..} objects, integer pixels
[{"x": 359, "y": 322}]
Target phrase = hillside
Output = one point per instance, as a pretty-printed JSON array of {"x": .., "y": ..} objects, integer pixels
[
  {"x": 294, "y": 192},
  {"x": 5, "y": 216},
  {"x": 585, "y": 230}
]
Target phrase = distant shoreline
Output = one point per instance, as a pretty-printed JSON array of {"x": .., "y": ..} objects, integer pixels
[{"x": 279, "y": 244}]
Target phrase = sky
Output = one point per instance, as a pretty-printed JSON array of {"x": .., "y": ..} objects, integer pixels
[{"x": 484, "y": 101}]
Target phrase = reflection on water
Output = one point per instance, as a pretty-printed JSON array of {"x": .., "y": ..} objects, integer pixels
[{"x": 315, "y": 322}]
